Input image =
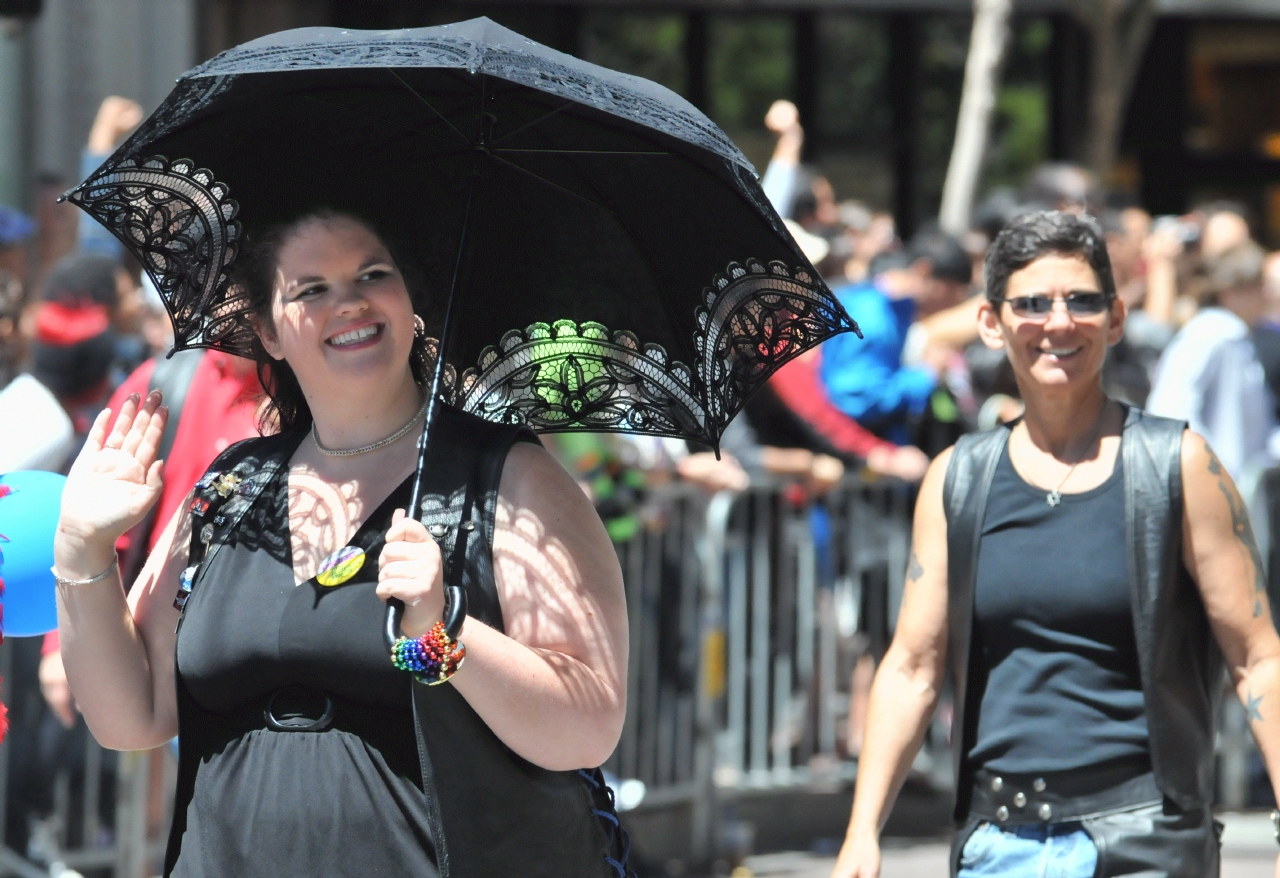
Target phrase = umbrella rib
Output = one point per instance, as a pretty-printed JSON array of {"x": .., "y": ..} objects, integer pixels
[
  {"x": 426, "y": 103},
  {"x": 538, "y": 121},
  {"x": 543, "y": 179},
  {"x": 390, "y": 122},
  {"x": 604, "y": 204}
]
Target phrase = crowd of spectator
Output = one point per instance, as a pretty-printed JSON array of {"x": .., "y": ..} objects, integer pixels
[{"x": 1201, "y": 341}]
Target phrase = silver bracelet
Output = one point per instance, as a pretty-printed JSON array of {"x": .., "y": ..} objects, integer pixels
[{"x": 115, "y": 561}]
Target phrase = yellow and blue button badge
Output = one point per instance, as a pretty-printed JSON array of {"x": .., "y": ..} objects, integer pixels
[{"x": 340, "y": 566}]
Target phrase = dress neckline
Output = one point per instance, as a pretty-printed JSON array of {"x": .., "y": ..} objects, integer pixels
[{"x": 360, "y": 537}]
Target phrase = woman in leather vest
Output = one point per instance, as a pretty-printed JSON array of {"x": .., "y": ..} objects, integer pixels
[
  {"x": 1082, "y": 574},
  {"x": 304, "y": 750}
]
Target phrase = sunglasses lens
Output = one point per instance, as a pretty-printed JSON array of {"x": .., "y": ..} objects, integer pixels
[
  {"x": 1031, "y": 306},
  {"x": 1039, "y": 307},
  {"x": 1086, "y": 303}
]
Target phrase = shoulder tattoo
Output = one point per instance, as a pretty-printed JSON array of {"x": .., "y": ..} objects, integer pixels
[{"x": 1241, "y": 528}]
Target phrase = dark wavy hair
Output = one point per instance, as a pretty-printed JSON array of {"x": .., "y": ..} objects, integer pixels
[
  {"x": 254, "y": 272},
  {"x": 1032, "y": 235}
]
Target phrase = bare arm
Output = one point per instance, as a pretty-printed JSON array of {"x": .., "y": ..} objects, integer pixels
[
  {"x": 118, "y": 654},
  {"x": 553, "y": 687},
  {"x": 906, "y": 686},
  {"x": 954, "y": 327},
  {"x": 1222, "y": 556},
  {"x": 1161, "y": 249}
]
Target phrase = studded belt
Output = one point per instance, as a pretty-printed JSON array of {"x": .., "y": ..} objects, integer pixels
[{"x": 1056, "y": 797}]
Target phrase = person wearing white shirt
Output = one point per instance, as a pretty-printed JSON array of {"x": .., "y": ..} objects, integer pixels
[{"x": 1210, "y": 376}]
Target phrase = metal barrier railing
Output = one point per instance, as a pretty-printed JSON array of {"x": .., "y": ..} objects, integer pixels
[
  {"x": 748, "y": 613},
  {"x": 110, "y": 810}
]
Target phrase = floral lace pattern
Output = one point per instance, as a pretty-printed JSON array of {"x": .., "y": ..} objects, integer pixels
[
  {"x": 566, "y": 376},
  {"x": 181, "y": 223},
  {"x": 754, "y": 319}
]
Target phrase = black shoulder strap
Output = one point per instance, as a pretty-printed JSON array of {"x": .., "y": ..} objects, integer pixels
[
  {"x": 964, "y": 497},
  {"x": 225, "y": 493}
]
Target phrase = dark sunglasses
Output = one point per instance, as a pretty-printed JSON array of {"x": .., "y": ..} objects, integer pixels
[{"x": 1038, "y": 308}]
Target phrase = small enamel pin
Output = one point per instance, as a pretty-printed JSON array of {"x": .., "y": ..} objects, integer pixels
[{"x": 340, "y": 566}]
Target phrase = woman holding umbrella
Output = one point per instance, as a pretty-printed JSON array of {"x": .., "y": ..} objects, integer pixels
[
  {"x": 304, "y": 730},
  {"x": 615, "y": 266}
]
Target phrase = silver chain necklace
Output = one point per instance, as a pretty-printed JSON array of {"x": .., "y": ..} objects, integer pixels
[
  {"x": 1054, "y": 497},
  {"x": 365, "y": 449}
]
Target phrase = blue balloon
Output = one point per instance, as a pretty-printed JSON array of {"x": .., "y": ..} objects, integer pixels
[{"x": 30, "y": 502}]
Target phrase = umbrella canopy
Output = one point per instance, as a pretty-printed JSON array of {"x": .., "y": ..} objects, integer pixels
[{"x": 620, "y": 269}]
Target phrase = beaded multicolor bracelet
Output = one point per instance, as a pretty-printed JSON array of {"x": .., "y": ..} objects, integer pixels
[{"x": 432, "y": 658}]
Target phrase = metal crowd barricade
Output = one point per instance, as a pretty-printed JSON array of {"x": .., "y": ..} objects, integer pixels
[
  {"x": 748, "y": 612},
  {"x": 110, "y": 810}
]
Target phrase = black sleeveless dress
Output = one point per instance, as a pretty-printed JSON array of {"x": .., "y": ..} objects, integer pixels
[
  {"x": 344, "y": 800},
  {"x": 387, "y": 776}
]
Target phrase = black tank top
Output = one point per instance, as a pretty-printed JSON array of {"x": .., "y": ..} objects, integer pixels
[{"x": 1054, "y": 659}]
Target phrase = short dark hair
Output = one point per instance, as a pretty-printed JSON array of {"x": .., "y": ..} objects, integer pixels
[
  {"x": 947, "y": 257},
  {"x": 1028, "y": 237},
  {"x": 254, "y": 271},
  {"x": 83, "y": 277}
]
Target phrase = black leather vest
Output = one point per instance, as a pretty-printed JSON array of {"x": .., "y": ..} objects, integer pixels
[
  {"x": 1179, "y": 659},
  {"x": 492, "y": 812}
]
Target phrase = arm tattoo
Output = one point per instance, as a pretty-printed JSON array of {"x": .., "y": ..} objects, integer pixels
[
  {"x": 1244, "y": 533},
  {"x": 914, "y": 568},
  {"x": 1251, "y": 707}
]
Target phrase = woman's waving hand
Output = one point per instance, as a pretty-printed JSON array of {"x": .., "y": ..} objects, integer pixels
[{"x": 114, "y": 481}]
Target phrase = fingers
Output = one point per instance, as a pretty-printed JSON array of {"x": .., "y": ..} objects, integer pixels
[
  {"x": 124, "y": 420},
  {"x": 141, "y": 421},
  {"x": 98, "y": 432},
  {"x": 151, "y": 437},
  {"x": 155, "y": 475},
  {"x": 406, "y": 530}
]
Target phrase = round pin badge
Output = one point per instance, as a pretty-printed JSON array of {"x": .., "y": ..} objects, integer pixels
[{"x": 340, "y": 566}]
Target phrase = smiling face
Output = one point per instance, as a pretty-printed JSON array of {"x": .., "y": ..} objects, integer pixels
[
  {"x": 1066, "y": 350},
  {"x": 340, "y": 310}
]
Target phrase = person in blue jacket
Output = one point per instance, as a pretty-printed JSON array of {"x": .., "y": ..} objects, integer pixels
[{"x": 866, "y": 378}]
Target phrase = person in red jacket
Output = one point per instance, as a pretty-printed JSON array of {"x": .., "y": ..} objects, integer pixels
[{"x": 219, "y": 407}]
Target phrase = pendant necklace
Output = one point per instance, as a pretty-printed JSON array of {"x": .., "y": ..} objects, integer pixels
[{"x": 1054, "y": 497}]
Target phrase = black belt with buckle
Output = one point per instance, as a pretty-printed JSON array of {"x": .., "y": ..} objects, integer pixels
[
  {"x": 1056, "y": 797},
  {"x": 298, "y": 709}
]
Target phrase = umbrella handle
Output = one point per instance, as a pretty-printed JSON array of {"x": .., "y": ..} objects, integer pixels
[{"x": 455, "y": 613}]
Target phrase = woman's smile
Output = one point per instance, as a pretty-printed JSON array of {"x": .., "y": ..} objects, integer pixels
[{"x": 356, "y": 338}]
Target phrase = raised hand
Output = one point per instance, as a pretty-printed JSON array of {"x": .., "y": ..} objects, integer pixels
[{"x": 114, "y": 481}]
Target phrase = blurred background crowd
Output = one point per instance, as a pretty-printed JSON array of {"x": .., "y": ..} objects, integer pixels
[{"x": 81, "y": 327}]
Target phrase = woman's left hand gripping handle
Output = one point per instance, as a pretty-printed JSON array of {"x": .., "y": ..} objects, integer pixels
[{"x": 112, "y": 484}]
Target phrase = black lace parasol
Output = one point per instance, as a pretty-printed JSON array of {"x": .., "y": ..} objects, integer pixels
[
  {"x": 601, "y": 254},
  {"x": 623, "y": 270}
]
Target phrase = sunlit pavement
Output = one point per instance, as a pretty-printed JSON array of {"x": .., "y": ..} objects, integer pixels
[{"x": 1248, "y": 851}]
